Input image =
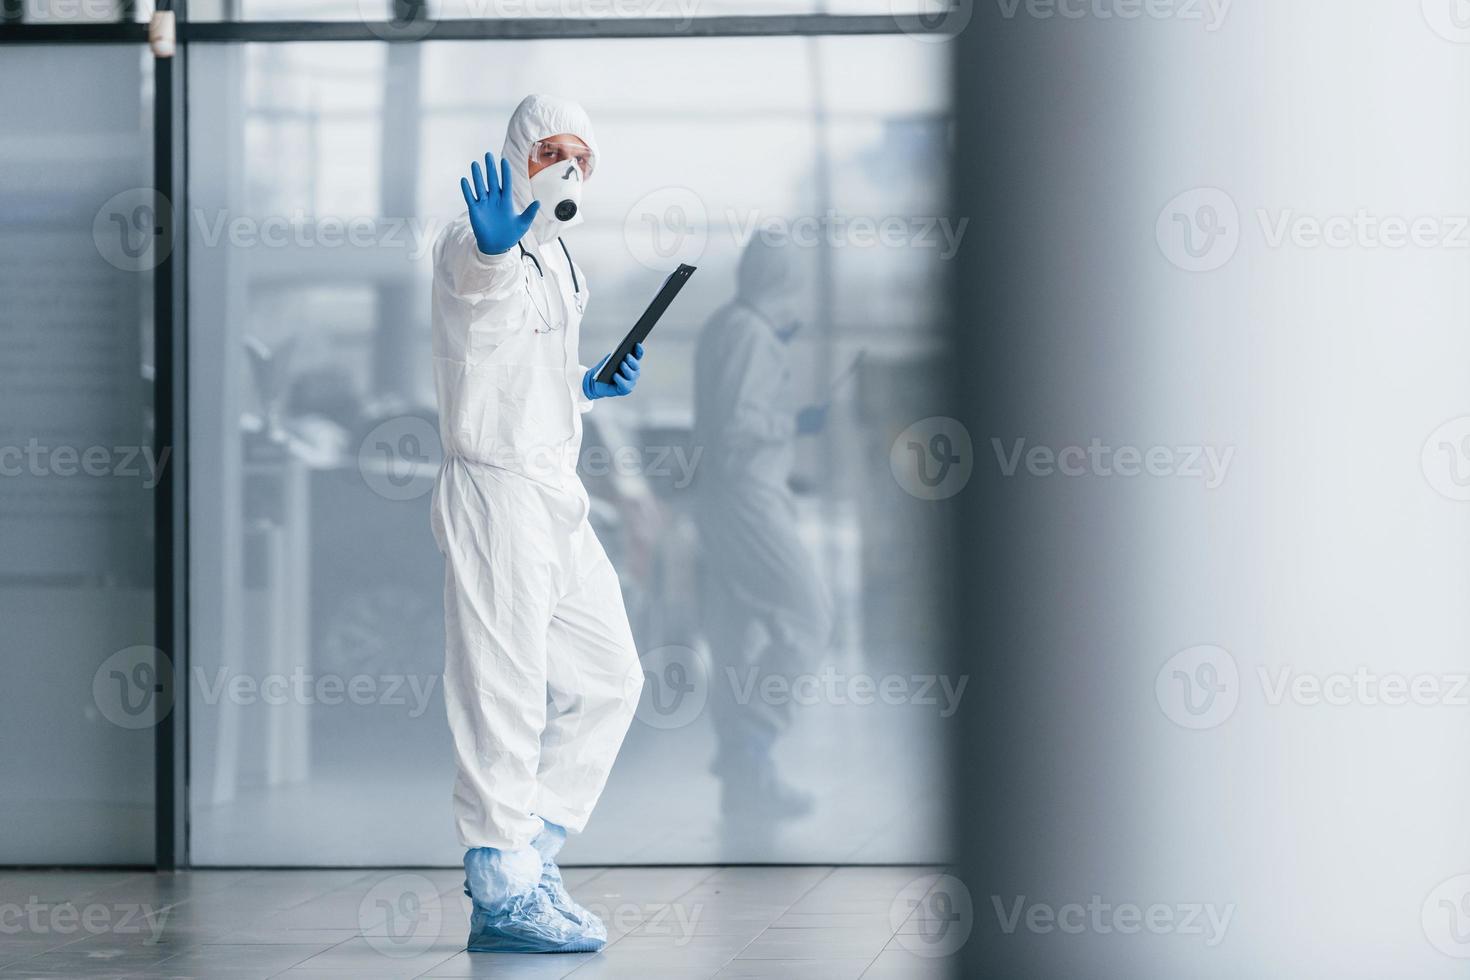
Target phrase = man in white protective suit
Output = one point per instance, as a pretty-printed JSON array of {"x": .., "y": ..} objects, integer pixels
[{"x": 541, "y": 676}]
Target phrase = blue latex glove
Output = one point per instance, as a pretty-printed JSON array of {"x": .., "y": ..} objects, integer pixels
[
  {"x": 623, "y": 381},
  {"x": 811, "y": 420},
  {"x": 493, "y": 215}
]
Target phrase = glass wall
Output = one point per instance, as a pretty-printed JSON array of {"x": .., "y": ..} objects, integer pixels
[
  {"x": 80, "y": 236},
  {"x": 320, "y": 174}
]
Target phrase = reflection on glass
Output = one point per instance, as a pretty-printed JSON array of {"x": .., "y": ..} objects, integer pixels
[
  {"x": 767, "y": 613},
  {"x": 321, "y": 176},
  {"x": 77, "y": 246}
]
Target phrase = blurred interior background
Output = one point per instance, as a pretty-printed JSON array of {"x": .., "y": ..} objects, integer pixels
[{"x": 318, "y": 174}]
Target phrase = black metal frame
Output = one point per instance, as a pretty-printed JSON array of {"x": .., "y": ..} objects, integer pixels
[
  {"x": 171, "y": 500},
  {"x": 170, "y": 293},
  {"x": 517, "y": 28}
]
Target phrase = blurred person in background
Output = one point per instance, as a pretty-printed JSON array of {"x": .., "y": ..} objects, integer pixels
[{"x": 765, "y": 609}]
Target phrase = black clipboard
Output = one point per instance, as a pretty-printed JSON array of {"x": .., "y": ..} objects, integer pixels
[{"x": 644, "y": 326}]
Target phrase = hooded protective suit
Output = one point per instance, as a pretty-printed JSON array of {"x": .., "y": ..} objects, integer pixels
[
  {"x": 541, "y": 676},
  {"x": 765, "y": 605}
]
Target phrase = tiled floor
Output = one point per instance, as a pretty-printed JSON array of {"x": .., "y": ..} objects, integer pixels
[{"x": 811, "y": 923}]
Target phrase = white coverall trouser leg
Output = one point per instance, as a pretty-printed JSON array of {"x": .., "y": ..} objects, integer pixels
[{"x": 541, "y": 675}]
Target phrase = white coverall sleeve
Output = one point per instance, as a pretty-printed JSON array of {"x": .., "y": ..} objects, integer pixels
[
  {"x": 584, "y": 404},
  {"x": 757, "y": 369},
  {"x": 488, "y": 290}
]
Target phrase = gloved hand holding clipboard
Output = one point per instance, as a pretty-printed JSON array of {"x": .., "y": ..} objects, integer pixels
[{"x": 644, "y": 326}]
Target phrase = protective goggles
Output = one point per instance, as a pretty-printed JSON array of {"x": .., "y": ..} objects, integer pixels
[{"x": 547, "y": 152}]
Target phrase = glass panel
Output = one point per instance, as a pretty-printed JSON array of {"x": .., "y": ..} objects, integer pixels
[
  {"x": 314, "y": 565},
  {"x": 76, "y": 463}
]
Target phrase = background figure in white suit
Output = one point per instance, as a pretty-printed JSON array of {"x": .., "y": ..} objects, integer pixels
[
  {"x": 766, "y": 609},
  {"x": 541, "y": 676}
]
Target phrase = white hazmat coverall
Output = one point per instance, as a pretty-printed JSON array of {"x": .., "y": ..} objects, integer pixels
[{"x": 540, "y": 676}]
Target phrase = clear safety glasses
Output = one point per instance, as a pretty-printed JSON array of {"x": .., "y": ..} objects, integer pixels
[{"x": 547, "y": 152}]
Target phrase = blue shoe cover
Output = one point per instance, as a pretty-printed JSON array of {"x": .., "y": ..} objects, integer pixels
[
  {"x": 548, "y": 844},
  {"x": 512, "y": 913},
  {"x": 529, "y": 924}
]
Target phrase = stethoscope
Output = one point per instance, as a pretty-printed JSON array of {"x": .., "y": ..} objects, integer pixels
[{"x": 577, "y": 296}]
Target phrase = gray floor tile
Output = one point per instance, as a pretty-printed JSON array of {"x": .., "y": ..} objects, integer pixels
[
  {"x": 385, "y": 955},
  {"x": 700, "y": 925},
  {"x": 729, "y": 907},
  {"x": 640, "y": 886},
  {"x": 863, "y": 891},
  {"x": 832, "y": 920},
  {"x": 816, "y": 923},
  {"x": 681, "y": 964},
  {"x": 17, "y": 948},
  {"x": 817, "y": 944},
  {"x": 89, "y": 957},
  {"x": 920, "y": 925},
  {"x": 509, "y": 966},
  {"x": 279, "y": 937},
  {"x": 702, "y": 946},
  {"x": 793, "y": 970},
  {"x": 770, "y": 885},
  {"x": 846, "y": 906},
  {"x": 900, "y": 964},
  {"x": 235, "y": 962}
]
